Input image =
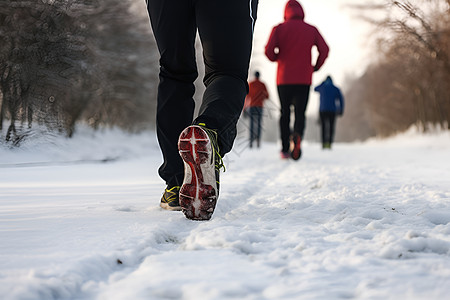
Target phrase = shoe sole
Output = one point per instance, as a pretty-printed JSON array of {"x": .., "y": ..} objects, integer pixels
[
  {"x": 168, "y": 207},
  {"x": 297, "y": 151},
  {"x": 198, "y": 194}
]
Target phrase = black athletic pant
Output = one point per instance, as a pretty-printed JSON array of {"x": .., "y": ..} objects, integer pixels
[
  {"x": 256, "y": 115},
  {"x": 296, "y": 95},
  {"x": 328, "y": 120},
  {"x": 226, "y": 30}
]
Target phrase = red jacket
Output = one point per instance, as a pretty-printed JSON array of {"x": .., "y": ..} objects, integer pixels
[
  {"x": 257, "y": 93},
  {"x": 290, "y": 45}
]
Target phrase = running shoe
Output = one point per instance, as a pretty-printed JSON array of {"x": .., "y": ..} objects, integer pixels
[
  {"x": 296, "y": 152},
  {"x": 170, "y": 198},
  {"x": 284, "y": 155},
  {"x": 199, "y": 150}
]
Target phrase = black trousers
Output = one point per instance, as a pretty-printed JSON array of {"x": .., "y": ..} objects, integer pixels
[
  {"x": 226, "y": 32},
  {"x": 328, "y": 121},
  {"x": 295, "y": 95},
  {"x": 256, "y": 115}
]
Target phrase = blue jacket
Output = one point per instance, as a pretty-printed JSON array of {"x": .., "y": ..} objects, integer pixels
[{"x": 331, "y": 99}]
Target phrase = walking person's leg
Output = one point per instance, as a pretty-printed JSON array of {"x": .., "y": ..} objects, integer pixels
[
  {"x": 328, "y": 129},
  {"x": 226, "y": 32},
  {"x": 323, "y": 121},
  {"x": 332, "y": 127},
  {"x": 175, "y": 105},
  {"x": 301, "y": 103},
  {"x": 259, "y": 126},
  {"x": 285, "y": 95},
  {"x": 253, "y": 117}
]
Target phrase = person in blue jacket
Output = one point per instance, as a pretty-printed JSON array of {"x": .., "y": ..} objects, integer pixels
[{"x": 331, "y": 104}]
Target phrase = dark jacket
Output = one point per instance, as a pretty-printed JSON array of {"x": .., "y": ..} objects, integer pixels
[
  {"x": 331, "y": 99},
  {"x": 290, "y": 45}
]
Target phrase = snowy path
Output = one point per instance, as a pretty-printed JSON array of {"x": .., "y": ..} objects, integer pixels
[{"x": 364, "y": 221}]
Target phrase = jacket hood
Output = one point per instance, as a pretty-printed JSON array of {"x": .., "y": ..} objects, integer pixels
[{"x": 293, "y": 10}]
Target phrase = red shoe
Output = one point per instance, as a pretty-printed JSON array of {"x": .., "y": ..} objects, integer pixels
[
  {"x": 198, "y": 194},
  {"x": 284, "y": 155},
  {"x": 296, "y": 149}
]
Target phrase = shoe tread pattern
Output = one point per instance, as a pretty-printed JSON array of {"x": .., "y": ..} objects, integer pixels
[{"x": 198, "y": 195}]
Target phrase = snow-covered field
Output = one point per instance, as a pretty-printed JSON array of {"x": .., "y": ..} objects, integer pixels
[{"x": 80, "y": 219}]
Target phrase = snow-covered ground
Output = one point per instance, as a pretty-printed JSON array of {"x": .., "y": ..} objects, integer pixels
[{"x": 80, "y": 219}]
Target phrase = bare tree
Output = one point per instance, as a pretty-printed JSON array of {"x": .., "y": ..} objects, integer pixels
[
  {"x": 42, "y": 57},
  {"x": 69, "y": 61},
  {"x": 408, "y": 83}
]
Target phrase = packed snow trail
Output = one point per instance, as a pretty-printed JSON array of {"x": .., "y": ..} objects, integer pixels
[{"x": 363, "y": 221}]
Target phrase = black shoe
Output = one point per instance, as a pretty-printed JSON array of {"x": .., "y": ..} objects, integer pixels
[
  {"x": 202, "y": 162},
  {"x": 170, "y": 198}
]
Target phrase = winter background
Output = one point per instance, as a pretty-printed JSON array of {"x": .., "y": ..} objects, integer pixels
[
  {"x": 346, "y": 34},
  {"x": 80, "y": 217}
]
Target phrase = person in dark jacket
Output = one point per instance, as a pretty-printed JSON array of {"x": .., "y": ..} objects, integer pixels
[
  {"x": 254, "y": 105},
  {"x": 290, "y": 45},
  {"x": 331, "y": 104},
  {"x": 193, "y": 148}
]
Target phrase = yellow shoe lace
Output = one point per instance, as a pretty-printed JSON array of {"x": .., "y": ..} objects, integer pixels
[
  {"x": 172, "y": 194},
  {"x": 213, "y": 137}
]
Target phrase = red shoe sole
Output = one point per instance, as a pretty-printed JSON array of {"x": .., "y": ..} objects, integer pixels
[{"x": 198, "y": 195}]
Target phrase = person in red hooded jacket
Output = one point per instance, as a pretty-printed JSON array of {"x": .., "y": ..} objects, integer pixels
[{"x": 290, "y": 45}]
